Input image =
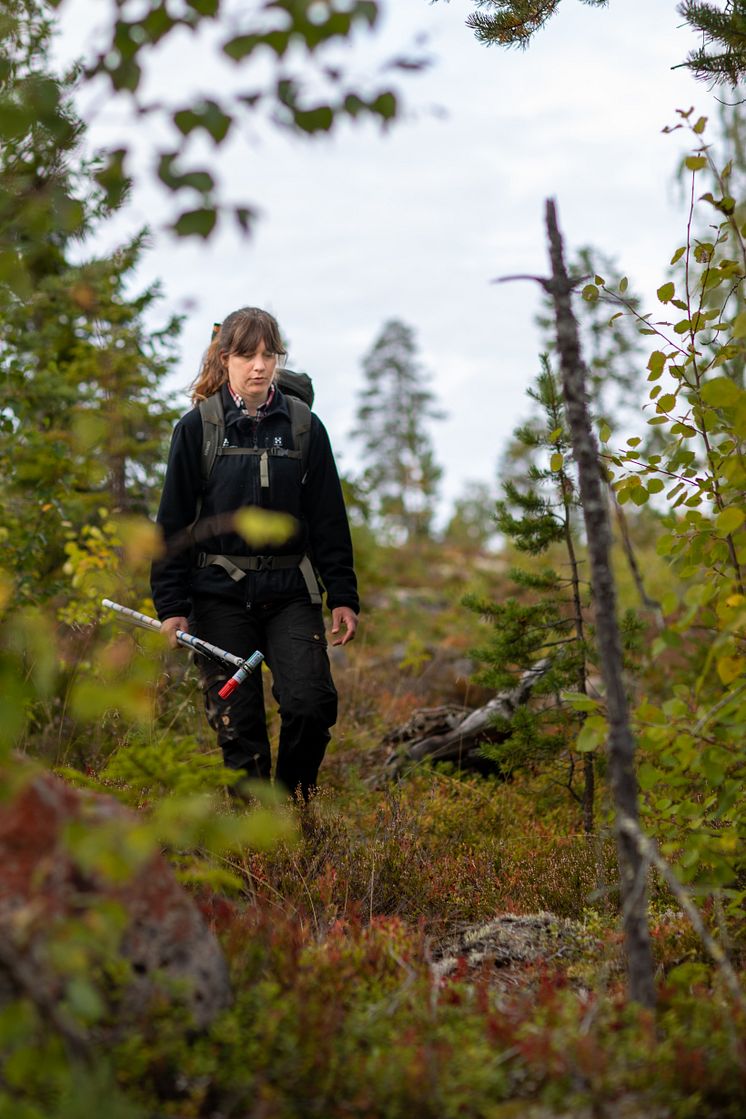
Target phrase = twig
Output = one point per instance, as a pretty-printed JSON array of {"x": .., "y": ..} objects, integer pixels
[{"x": 650, "y": 853}]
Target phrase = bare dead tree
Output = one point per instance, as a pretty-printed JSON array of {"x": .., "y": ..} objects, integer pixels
[{"x": 620, "y": 746}]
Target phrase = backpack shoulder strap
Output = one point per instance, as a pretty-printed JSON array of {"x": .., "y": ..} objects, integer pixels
[
  {"x": 300, "y": 421},
  {"x": 213, "y": 431}
]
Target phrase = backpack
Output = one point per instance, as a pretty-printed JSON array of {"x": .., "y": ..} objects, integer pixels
[{"x": 298, "y": 388}]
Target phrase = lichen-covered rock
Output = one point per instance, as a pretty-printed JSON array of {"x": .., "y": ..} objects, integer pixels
[
  {"x": 508, "y": 943},
  {"x": 46, "y": 898}
]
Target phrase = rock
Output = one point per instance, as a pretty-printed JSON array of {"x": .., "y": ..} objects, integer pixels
[{"x": 164, "y": 937}]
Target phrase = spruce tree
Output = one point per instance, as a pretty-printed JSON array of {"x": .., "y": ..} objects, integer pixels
[
  {"x": 395, "y": 407},
  {"x": 545, "y": 620}
]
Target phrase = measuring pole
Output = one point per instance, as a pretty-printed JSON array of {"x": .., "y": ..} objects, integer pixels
[{"x": 243, "y": 667}]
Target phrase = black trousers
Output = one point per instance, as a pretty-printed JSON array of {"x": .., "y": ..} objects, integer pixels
[{"x": 291, "y": 637}]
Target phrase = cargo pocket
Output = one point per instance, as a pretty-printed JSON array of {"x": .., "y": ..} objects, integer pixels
[{"x": 308, "y": 647}]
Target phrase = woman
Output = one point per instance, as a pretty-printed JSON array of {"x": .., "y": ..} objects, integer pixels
[{"x": 216, "y": 585}]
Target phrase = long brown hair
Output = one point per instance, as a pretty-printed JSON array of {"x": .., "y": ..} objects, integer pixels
[{"x": 242, "y": 332}]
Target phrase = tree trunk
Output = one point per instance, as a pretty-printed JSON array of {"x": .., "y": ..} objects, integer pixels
[{"x": 632, "y": 867}]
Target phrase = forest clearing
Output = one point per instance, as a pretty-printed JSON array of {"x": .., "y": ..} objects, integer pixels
[{"x": 518, "y": 889}]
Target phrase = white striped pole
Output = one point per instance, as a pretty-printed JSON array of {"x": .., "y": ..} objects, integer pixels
[{"x": 243, "y": 667}]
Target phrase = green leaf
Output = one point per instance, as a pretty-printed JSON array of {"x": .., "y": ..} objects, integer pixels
[
  {"x": 592, "y": 735},
  {"x": 385, "y": 105},
  {"x": 113, "y": 178},
  {"x": 678, "y": 254},
  {"x": 666, "y": 402},
  {"x": 623, "y": 284},
  {"x": 666, "y": 292},
  {"x": 244, "y": 217},
  {"x": 241, "y": 47},
  {"x": 215, "y": 121},
  {"x": 205, "y": 7},
  {"x": 648, "y": 776},
  {"x": 195, "y": 223},
  {"x": 319, "y": 119},
  {"x": 579, "y": 701},
  {"x": 739, "y": 325},
  {"x": 730, "y": 520},
  {"x": 699, "y": 127},
  {"x": 556, "y": 462},
  {"x": 590, "y": 293},
  {"x": 84, "y": 1000},
  {"x": 604, "y": 432},
  {"x": 721, "y": 392},
  {"x": 656, "y": 364},
  {"x": 655, "y": 485},
  {"x": 695, "y": 162}
]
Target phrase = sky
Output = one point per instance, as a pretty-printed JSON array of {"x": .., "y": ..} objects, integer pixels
[{"x": 414, "y": 221}]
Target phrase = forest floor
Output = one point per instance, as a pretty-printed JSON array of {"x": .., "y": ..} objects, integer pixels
[
  {"x": 442, "y": 946},
  {"x": 449, "y": 944}
]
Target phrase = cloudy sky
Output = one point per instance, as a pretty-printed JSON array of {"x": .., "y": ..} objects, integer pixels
[{"x": 413, "y": 222}]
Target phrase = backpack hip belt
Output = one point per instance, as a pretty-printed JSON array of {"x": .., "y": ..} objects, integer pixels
[{"x": 238, "y": 566}]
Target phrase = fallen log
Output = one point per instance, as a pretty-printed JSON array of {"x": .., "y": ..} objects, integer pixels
[{"x": 455, "y": 735}]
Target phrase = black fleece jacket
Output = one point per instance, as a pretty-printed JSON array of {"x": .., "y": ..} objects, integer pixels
[{"x": 317, "y": 506}]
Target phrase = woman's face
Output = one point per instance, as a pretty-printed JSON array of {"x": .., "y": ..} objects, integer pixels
[{"x": 250, "y": 377}]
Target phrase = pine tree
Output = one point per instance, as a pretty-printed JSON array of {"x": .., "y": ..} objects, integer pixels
[
  {"x": 546, "y": 620},
  {"x": 722, "y": 27},
  {"x": 722, "y": 55},
  {"x": 393, "y": 413},
  {"x": 83, "y": 423}
]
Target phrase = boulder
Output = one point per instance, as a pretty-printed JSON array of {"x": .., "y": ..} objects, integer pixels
[
  {"x": 508, "y": 943},
  {"x": 154, "y": 924}
]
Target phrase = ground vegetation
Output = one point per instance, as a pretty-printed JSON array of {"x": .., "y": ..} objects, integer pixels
[{"x": 444, "y": 945}]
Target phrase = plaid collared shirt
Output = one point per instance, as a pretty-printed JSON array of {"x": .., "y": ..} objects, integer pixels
[{"x": 261, "y": 410}]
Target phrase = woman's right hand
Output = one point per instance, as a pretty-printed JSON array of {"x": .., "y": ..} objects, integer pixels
[{"x": 170, "y": 626}]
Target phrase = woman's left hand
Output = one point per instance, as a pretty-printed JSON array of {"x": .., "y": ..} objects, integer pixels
[{"x": 344, "y": 616}]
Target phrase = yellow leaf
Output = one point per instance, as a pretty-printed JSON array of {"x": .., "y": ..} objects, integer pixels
[
  {"x": 6, "y": 589},
  {"x": 141, "y": 539},
  {"x": 730, "y": 668},
  {"x": 260, "y": 527},
  {"x": 730, "y": 520},
  {"x": 556, "y": 461}
]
